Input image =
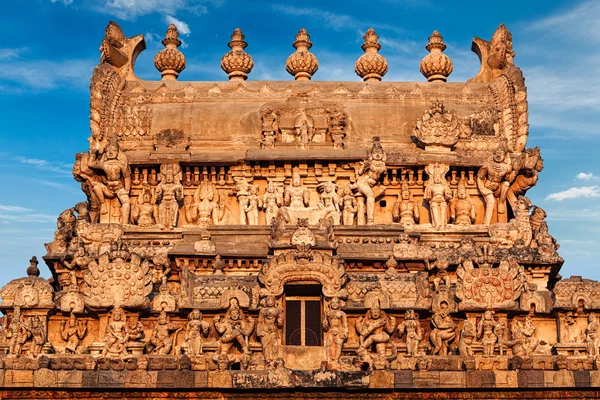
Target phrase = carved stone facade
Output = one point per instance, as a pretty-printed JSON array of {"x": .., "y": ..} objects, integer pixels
[{"x": 303, "y": 235}]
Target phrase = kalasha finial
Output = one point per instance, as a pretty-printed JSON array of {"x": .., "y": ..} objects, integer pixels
[
  {"x": 436, "y": 66},
  {"x": 170, "y": 61},
  {"x": 237, "y": 63},
  {"x": 302, "y": 64},
  {"x": 371, "y": 66},
  {"x": 33, "y": 270}
]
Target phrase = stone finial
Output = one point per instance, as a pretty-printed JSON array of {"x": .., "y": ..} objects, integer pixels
[
  {"x": 371, "y": 66},
  {"x": 33, "y": 270},
  {"x": 237, "y": 63},
  {"x": 436, "y": 66},
  {"x": 170, "y": 61},
  {"x": 302, "y": 64}
]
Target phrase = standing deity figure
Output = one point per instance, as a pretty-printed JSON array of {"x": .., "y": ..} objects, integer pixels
[
  {"x": 143, "y": 213},
  {"x": 169, "y": 193},
  {"x": 190, "y": 210},
  {"x": 234, "y": 328},
  {"x": 414, "y": 333},
  {"x": 592, "y": 339},
  {"x": 296, "y": 196},
  {"x": 17, "y": 334},
  {"x": 36, "y": 332},
  {"x": 523, "y": 341},
  {"x": 492, "y": 182},
  {"x": 368, "y": 173},
  {"x": 374, "y": 328},
  {"x": 161, "y": 335},
  {"x": 462, "y": 209},
  {"x": 437, "y": 193},
  {"x": 242, "y": 191},
  {"x": 405, "y": 211},
  {"x": 116, "y": 336},
  {"x": 270, "y": 128},
  {"x": 500, "y": 331},
  {"x": 195, "y": 332},
  {"x": 73, "y": 333},
  {"x": 304, "y": 129},
  {"x": 253, "y": 204},
  {"x": 335, "y": 325},
  {"x": 465, "y": 340},
  {"x": 329, "y": 202},
  {"x": 271, "y": 202},
  {"x": 118, "y": 178},
  {"x": 209, "y": 211},
  {"x": 349, "y": 206},
  {"x": 441, "y": 276},
  {"x": 443, "y": 331},
  {"x": 486, "y": 332},
  {"x": 270, "y": 322}
]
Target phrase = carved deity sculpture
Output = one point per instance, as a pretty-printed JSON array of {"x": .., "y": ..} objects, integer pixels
[
  {"x": 440, "y": 277},
  {"x": 80, "y": 260},
  {"x": 241, "y": 191},
  {"x": 466, "y": 339},
  {"x": 16, "y": 334},
  {"x": 195, "y": 331},
  {"x": 337, "y": 128},
  {"x": 443, "y": 331},
  {"x": 592, "y": 339},
  {"x": 270, "y": 128},
  {"x": 190, "y": 211},
  {"x": 114, "y": 164},
  {"x": 375, "y": 328},
  {"x": 234, "y": 328},
  {"x": 329, "y": 202},
  {"x": 304, "y": 129},
  {"x": 492, "y": 182},
  {"x": 523, "y": 342},
  {"x": 349, "y": 206},
  {"x": 169, "y": 193},
  {"x": 296, "y": 196},
  {"x": 414, "y": 333},
  {"x": 486, "y": 332},
  {"x": 253, "y": 204},
  {"x": 368, "y": 173},
  {"x": 36, "y": 334},
  {"x": 527, "y": 166},
  {"x": 73, "y": 333},
  {"x": 437, "y": 193},
  {"x": 335, "y": 325},
  {"x": 405, "y": 211},
  {"x": 135, "y": 330},
  {"x": 271, "y": 202},
  {"x": 143, "y": 210},
  {"x": 209, "y": 211},
  {"x": 161, "y": 335},
  {"x": 116, "y": 336},
  {"x": 462, "y": 209},
  {"x": 270, "y": 322}
]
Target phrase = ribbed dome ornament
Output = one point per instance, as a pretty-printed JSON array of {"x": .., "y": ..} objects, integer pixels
[
  {"x": 170, "y": 61},
  {"x": 302, "y": 64},
  {"x": 237, "y": 63},
  {"x": 371, "y": 66},
  {"x": 436, "y": 66}
]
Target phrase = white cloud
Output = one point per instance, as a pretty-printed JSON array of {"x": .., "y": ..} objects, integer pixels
[
  {"x": 182, "y": 27},
  {"x": 12, "y": 53},
  {"x": 131, "y": 9},
  {"x": 575, "y": 192},
  {"x": 51, "y": 166},
  {"x": 16, "y": 209},
  {"x": 583, "y": 176},
  {"x": 35, "y": 75},
  {"x": 26, "y": 218},
  {"x": 65, "y": 2}
]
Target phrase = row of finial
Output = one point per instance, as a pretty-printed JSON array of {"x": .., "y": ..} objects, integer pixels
[{"x": 302, "y": 64}]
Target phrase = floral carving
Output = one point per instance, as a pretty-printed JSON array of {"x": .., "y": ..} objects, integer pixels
[{"x": 438, "y": 129}]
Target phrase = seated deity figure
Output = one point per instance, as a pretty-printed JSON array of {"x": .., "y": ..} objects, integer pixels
[
  {"x": 135, "y": 330},
  {"x": 329, "y": 202},
  {"x": 349, "y": 206},
  {"x": 486, "y": 332},
  {"x": 142, "y": 212},
  {"x": 271, "y": 202},
  {"x": 209, "y": 211},
  {"x": 161, "y": 335},
  {"x": 405, "y": 211},
  {"x": 195, "y": 331},
  {"x": 335, "y": 325},
  {"x": 118, "y": 179},
  {"x": 36, "y": 333},
  {"x": 492, "y": 182},
  {"x": 592, "y": 338},
  {"x": 462, "y": 209},
  {"x": 437, "y": 193},
  {"x": 270, "y": 322},
  {"x": 374, "y": 328},
  {"x": 443, "y": 331},
  {"x": 368, "y": 173},
  {"x": 414, "y": 332},
  {"x": 80, "y": 260},
  {"x": 296, "y": 202},
  {"x": 234, "y": 328},
  {"x": 73, "y": 333},
  {"x": 523, "y": 342},
  {"x": 169, "y": 193},
  {"x": 253, "y": 204},
  {"x": 116, "y": 336}
]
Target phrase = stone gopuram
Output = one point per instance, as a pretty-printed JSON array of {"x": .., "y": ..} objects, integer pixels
[{"x": 247, "y": 239}]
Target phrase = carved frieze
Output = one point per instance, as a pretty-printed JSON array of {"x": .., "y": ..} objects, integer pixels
[
  {"x": 438, "y": 129},
  {"x": 29, "y": 292}
]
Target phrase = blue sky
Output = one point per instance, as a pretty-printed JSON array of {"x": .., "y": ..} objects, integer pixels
[{"x": 49, "y": 48}]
